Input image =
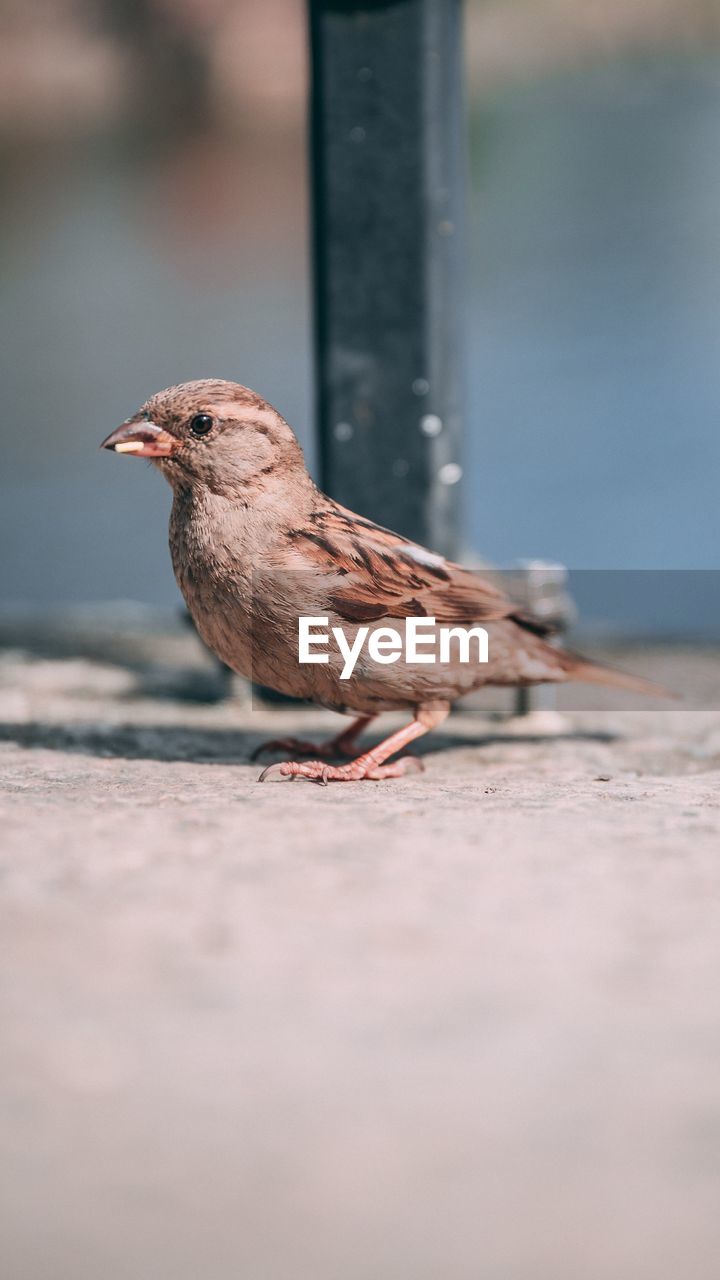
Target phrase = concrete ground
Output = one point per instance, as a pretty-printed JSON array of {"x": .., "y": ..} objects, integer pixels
[{"x": 464, "y": 1025}]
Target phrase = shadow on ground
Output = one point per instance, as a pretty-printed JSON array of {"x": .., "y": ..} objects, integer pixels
[{"x": 218, "y": 746}]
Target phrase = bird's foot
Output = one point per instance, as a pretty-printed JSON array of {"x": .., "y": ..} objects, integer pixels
[{"x": 356, "y": 771}]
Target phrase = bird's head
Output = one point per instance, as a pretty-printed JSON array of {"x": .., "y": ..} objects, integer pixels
[{"x": 212, "y": 433}]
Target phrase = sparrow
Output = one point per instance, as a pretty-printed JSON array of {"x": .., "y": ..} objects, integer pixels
[{"x": 255, "y": 545}]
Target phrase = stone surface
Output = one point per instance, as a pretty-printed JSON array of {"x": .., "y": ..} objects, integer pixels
[{"x": 466, "y": 1024}]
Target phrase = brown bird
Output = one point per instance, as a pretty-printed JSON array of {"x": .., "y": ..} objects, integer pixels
[{"x": 255, "y": 545}]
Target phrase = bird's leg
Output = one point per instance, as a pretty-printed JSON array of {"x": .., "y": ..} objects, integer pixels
[
  {"x": 369, "y": 765},
  {"x": 342, "y": 744},
  {"x": 372, "y": 763}
]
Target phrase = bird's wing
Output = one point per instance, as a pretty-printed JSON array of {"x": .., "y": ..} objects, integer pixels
[{"x": 377, "y": 574}]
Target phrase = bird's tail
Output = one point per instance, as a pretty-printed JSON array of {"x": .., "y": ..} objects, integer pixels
[{"x": 583, "y": 669}]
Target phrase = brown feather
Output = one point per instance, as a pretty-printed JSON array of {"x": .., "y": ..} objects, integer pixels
[{"x": 381, "y": 566}]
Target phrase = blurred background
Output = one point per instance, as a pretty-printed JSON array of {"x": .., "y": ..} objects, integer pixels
[
  {"x": 154, "y": 228},
  {"x": 466, "y": 1027}
]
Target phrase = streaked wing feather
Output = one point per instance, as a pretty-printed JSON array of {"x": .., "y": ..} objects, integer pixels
[{"x": 386, "y": 576}]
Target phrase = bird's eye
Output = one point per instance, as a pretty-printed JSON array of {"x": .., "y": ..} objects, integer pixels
[{"x": 201, "y": 424}]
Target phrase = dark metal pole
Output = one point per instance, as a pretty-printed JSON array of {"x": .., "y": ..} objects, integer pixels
[{"x": 387, "y": 127}]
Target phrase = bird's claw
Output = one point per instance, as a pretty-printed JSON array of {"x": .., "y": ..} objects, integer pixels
[
  {"x": 284, "y": 769},
  {"x": 321, "y": 774},
  {"x": 271, "y": 769}
]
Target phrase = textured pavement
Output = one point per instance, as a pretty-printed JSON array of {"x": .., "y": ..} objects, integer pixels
[{"x": 463, "y": 1025}]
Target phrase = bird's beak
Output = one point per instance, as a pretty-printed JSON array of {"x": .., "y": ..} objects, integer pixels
[{"x": 142, "y": 439}]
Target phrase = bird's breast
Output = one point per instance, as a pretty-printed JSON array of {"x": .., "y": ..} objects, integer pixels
[{"x": 215, "y": 578}]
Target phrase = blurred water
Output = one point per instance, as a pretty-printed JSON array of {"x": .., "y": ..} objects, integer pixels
[{"x": 593, "y": 318}]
